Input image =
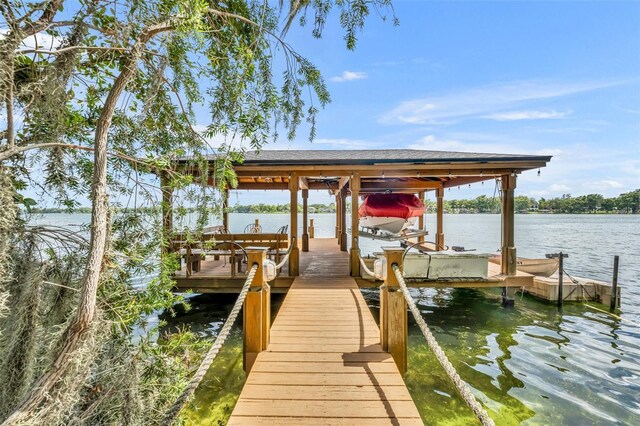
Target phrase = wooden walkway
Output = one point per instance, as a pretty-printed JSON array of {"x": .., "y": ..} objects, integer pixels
[{"x": 324, "y": 364}]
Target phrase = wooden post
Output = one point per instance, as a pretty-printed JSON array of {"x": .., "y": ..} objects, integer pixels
[
  {"x": 294, "y": 257},
  {"x": 508, "y": 265},
  {"x": 421, "y": 218},
  {"x": 614, "y": 283},
  {"x": 560, "y": 280},
  {"x": 225, "y": 210},
  {"x": 255, "y": 332},
  {"x": 343, "y": 218},
  {"x": 167, "y": 213},
  {"x": 393, "y": 312},
  {"x": 338, "y": 210},
  {"x": 355, "y": 249},
  {"x": 440, "y": 218},
  {"x": 256, "y": 223},
  {"x": 305, "y": 226},
  {"x": 311, "y": 229}
]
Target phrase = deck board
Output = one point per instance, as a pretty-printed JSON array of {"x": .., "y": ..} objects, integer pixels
[{"x": 324, "y": 364}]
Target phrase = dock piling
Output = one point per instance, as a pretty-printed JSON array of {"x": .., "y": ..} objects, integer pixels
[
  {"x": 560, "y": 279},
  {"x": 614, "y": 284},
  {"x": 393, "y": 312},
  {"x": 257, "y": 312}
]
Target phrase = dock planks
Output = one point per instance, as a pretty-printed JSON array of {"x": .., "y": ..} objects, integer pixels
[{"x": 324, "y": 364}]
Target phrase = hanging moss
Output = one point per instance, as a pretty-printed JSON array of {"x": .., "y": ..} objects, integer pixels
[{"x": 18, "y": 358}]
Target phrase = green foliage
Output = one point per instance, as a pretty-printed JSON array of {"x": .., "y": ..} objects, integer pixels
[{"x": 184, "y": 53}]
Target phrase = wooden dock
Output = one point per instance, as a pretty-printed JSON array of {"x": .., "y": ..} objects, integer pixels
[{"x": 324, "y": 363}]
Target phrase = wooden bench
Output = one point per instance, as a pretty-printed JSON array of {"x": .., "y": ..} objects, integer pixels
[{"x": 194, "y": 251}]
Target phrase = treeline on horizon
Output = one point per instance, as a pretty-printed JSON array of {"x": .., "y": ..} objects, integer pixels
[{"x": 626, "y": 203}]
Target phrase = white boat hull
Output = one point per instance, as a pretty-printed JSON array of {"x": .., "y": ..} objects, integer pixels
[{"x": 393, "y": 225}]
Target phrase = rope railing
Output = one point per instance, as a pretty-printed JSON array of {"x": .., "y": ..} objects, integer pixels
[
  {"x": 172, "y": 414},
  {"x": 367, "y": 270},
  {"x": 286, "y": 256},
  {"x": 461, "y": 386}
]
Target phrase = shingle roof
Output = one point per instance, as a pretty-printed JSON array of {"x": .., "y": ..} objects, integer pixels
[{"x": 375, "y": 156}]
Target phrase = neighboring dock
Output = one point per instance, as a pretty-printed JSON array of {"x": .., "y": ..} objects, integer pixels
[{"x": 324, "y": 363}]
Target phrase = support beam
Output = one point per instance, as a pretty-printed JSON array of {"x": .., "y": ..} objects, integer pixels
[
  {"x": 421, "y": 218},
  {"x": 225, "y": 210},
  {"x": 393, "y": 312},
  {"x": 167, "y": 212},
  {"x": 256, "y": 310},
  {"x": 338, "y": 210},
  {"x": 294, "y": 257},
  {"x": 305, "y": 225},
  {"x": 508, "y": 225},
  {"x": 354, "y": 253},
  {"x": 343, "y": 219},
  {"x": 303, "y": 183},
  {"x": 440, "y": 218}
]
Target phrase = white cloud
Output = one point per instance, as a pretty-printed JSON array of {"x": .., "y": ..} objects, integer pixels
[
  {"x": 605, "y": 184},
  {"x": 559, "y": 187},
  {"x": 435, "y": 143},
  {"x": 526, "y": 115},
  {"x": 41, "y": 41},
  {"x": 349, "y": 76},
  {"x": 482, "y": 101},
  {"x": 345, "y": 143}
]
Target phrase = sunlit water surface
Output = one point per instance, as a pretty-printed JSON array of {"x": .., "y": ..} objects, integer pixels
[{"x": 530, "y": 365}]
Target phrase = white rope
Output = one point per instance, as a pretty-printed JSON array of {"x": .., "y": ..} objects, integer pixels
[
  {"x": 172, "y": 414},
  {"x": 286, "y": 256},
  {"x": 461, "y": 386},
  {"x": 367, "y": 270}
]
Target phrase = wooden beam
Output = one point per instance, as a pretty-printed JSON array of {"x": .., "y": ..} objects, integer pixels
[
  {"x": 254, "y": 314},
  {"x": 421, "y": 218},
  {"x": 343, "y": 219},
  {"x": 508, "y": 226},
  {"x": 354, "y": 253},
  {"x": 393, "y": 313},
  {"x": 303, "y": 183},
  {"x": 305, "y": 224},
  {"x": 225, "y": 210},
  {"x": 440, "y": 219},
  {"x": 294, "y": 257},
  {"x": 391, "y": 170},
  {"x": 342, "y": 182},
  {"x": 397, "y": 186},
  {"x": 459, "y": 181},
  {"x": 338, "y": 210}
]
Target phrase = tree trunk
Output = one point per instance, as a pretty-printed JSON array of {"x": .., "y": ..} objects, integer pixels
[{"x": 76, "y": 333}]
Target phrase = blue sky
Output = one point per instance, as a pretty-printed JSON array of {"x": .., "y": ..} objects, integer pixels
[{"x": 553, "y": 78}]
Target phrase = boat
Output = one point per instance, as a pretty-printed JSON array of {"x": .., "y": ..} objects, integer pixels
[
  {"x": 390, "y": 213},
  {"x": 538, "y": 267}
]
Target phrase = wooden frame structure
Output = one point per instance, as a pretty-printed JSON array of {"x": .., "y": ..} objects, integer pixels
[{"x": 351, "y": 174}]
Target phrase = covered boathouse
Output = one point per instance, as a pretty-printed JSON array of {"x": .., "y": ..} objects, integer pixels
[
  {"x": 325, "y": 359},
  {"x": 352, "y": 174}
]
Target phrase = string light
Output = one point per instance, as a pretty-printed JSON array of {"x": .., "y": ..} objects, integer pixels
[
  {"x": 538, "y": 172},
  {"x": 383, "y": 174},
  {"x": 449, "y": 174},
  {"x": 481, "y": 172}
]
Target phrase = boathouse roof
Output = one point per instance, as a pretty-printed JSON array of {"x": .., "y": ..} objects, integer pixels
[
  {"x": 376, "y": 156},
  {"x": 398, "y": 170}
]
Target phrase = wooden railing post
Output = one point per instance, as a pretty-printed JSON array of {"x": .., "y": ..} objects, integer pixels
[
  {"x": 393, "y": 312},
  {"x": 508, "y": 250},
  {"x": 305, "y": 216},
  {"x": 311, "y": 229},
  {"x": 257, "y": 311}
]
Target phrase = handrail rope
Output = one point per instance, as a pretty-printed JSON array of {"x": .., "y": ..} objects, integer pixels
[
  {"x": 172, "y": 414},
  {"x": 286, "y": 256},
  {"x": 461, "y": 386},
  {"x": 367, "y": 270}
]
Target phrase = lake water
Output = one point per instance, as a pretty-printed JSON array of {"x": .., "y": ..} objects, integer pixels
[{"x": 530, "y": 365}]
